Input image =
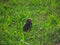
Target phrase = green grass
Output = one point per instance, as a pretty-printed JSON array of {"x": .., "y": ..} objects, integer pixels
[{"x": 45, "y": 15}]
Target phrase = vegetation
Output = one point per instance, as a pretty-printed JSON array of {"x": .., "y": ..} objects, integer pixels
[{"x": 45, "y": 15}]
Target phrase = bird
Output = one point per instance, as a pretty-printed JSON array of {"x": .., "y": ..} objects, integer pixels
[{"x": 28, "y": 25}]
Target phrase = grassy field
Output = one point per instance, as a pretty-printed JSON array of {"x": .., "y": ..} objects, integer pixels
[{"x": 45, "y": 15}]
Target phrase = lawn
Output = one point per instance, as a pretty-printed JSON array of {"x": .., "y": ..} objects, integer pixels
[{"x": 45, "y": 15}]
